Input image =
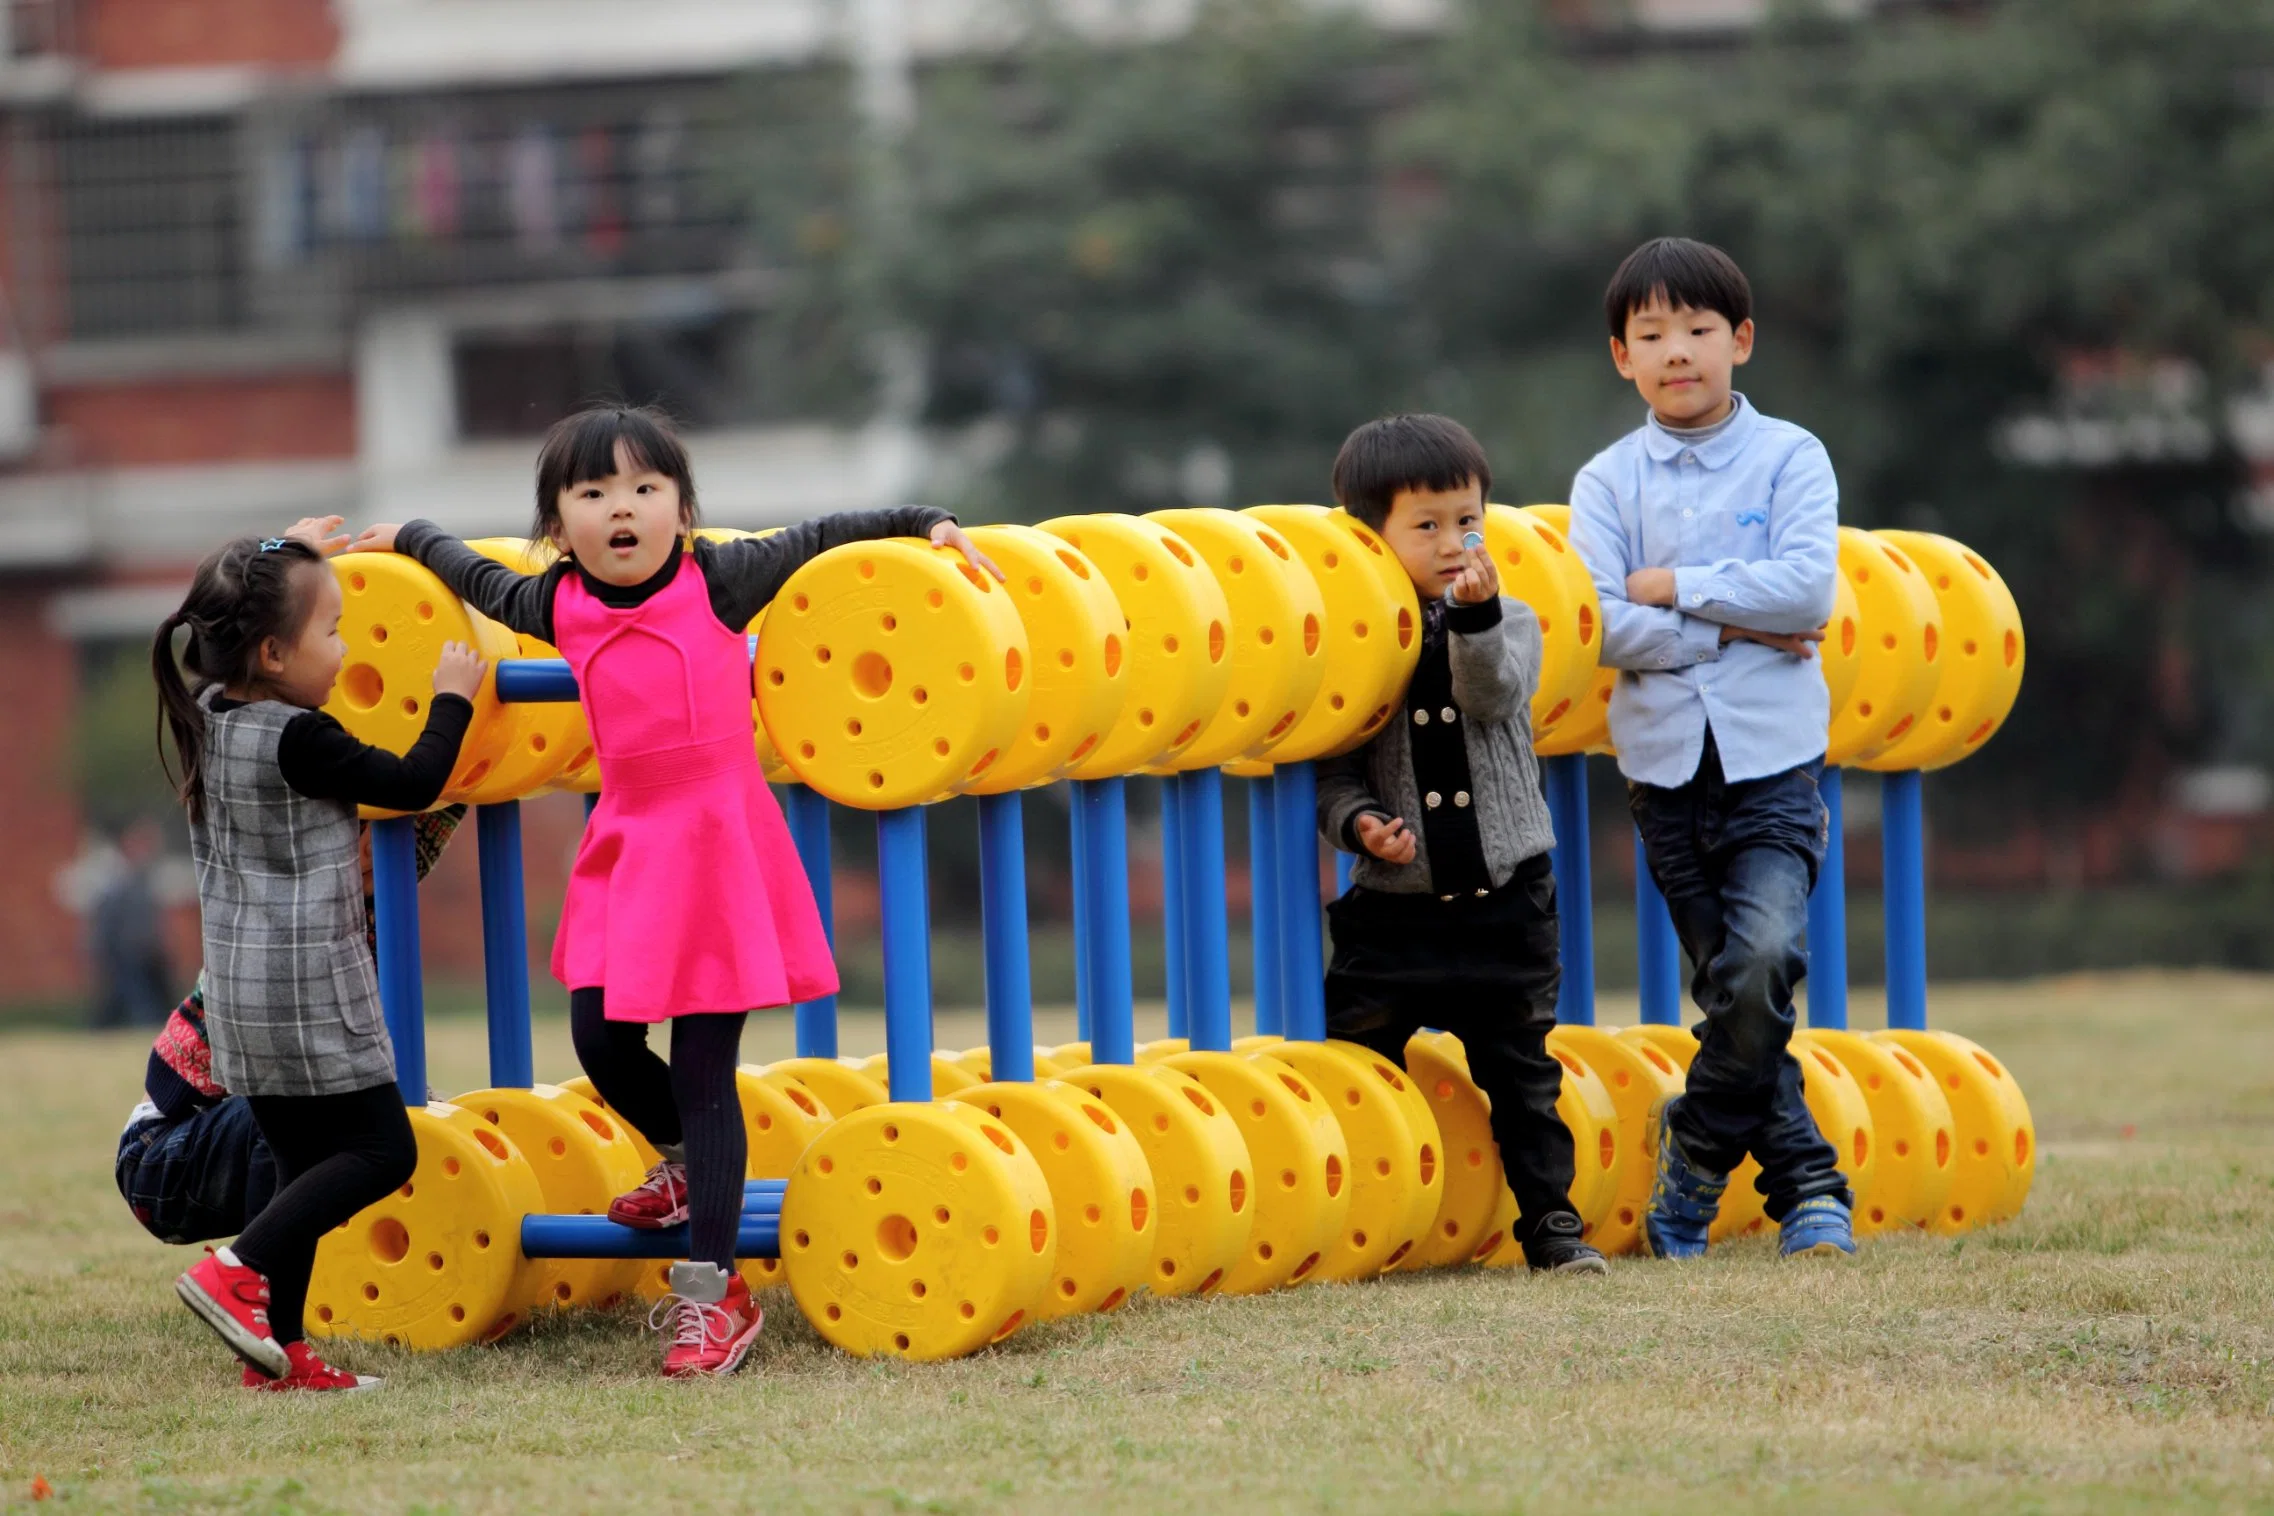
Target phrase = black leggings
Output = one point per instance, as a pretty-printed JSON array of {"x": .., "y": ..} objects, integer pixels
[
  {"x": 335, "y": 1154},
  {"x": 689, "y": 1102}
]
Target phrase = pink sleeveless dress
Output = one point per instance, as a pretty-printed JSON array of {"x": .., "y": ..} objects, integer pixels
[{"x": 687, "y": 894}]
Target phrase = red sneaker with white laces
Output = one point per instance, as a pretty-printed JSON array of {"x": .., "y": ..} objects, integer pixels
[
  {"x": 660, "y": 1201},
  {"x": 310, "y": 1373},
  {"x": 233, "y": 1300},
  {"x": 708, "y": 1335}
]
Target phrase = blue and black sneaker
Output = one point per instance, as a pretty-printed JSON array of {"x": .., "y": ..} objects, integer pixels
[
  {"x": 1684, "y": 1199},
  {"x": 1820, "y": 1226}
]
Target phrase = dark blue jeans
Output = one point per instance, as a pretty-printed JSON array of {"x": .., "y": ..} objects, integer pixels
[
  {"x": 197, "y": 1178},
  {"x": 1736, "y": 863}
]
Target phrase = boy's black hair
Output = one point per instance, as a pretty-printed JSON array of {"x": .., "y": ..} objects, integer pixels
[
  {"x": 582, "y": 447},
  {"x": 1682, "y": 273},
  {"x": 1396, "y": 453}
]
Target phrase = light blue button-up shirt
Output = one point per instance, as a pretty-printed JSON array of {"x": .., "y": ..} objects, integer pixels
[{"x": 1748, "y": 519}]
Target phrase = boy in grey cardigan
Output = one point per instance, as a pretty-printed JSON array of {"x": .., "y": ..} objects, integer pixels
[{"x": 1450, "y": 920}]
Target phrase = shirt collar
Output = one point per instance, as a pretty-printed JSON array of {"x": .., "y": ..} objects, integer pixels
[{"x": 1665, "y": 445}]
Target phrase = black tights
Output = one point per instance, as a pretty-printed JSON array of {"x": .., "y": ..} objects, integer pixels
[
  {"x": 689, "y": 1102},
  {"x": 335, "y": 1154}
]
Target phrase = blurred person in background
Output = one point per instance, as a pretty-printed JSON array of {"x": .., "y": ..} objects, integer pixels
[{"x": 126, "y": 951}]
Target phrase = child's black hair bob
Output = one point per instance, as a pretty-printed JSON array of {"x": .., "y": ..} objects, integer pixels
[
  {"x": 1682, "y": 273},
  {"x": 1417, "y": 452},
  {"x": 582, "y": 447}
]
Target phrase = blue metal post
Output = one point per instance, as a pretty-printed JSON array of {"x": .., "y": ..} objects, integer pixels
[
  {"x": 1263, "y": 906},
  {"x": 1343, "y": 864},
  {"x": 1565, "y": 780},
  {"x": 402, "y": 996},
  {"x": 1101, "y": 833},
  {"x": 1302, "y": 973},
  {"x": 1903, "y": 865},
  {"x": 1658, "y": 952},
  {"x": 505, "y": 943},
  {"x": 1207, "y": 946},
  {"x": 808, "y": 814},
  {"x": 1828, "y": 919},
  {"x": 1002, "y": 925},
  {"x": 902, "y": 882},
  {"x": 1078, "y": 857},
  {"x": 759, "y": 1236},
  {"x": 1173, "y": 886}
]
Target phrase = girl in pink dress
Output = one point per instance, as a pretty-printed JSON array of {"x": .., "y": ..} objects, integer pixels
[{"x": 687, "y": 903}]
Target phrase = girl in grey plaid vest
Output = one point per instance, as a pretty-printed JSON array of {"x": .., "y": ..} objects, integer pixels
[{"x": 271, "y": 784}]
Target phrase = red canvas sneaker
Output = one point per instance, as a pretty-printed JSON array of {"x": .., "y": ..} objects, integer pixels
[
  {"x": 660, "y": 1201},
  {"x": 233, "y": 1300},
  {"x": 713, "y": 1335},
  {"x": 310, "y": 1373}
]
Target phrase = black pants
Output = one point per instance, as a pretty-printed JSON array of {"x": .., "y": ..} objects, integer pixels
[
  {"x": 688, "y": 1102},
  {"x": 334, "y": 1154},
  {"x": 1736, "y": 863},
  {"x": 1485, "y": 968}
]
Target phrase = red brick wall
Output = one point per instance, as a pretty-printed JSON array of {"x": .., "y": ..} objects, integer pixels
[
  {"x": 39, "y": 818},
  {"x": 206, "y": 420},
  {"x": 191, "y": 33}
]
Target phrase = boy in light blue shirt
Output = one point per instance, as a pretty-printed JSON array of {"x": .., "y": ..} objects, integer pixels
[{"x": 1711, "y": 533}]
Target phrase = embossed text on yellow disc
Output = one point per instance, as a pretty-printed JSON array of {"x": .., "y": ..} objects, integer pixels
[
  {"x": 1369, "y": 636},
  {"x": 1275, "y": 676},
  {"x": 1080, "y": 669}
]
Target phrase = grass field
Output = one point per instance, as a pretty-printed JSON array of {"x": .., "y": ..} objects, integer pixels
[{"x": 2111, "y": 1350}]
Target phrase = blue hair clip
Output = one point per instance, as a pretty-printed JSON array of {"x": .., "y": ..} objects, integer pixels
[{"x": 271, "y": 544}]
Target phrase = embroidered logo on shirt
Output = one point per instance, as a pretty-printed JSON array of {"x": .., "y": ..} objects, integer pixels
[{"x": 1752, "y": 518}]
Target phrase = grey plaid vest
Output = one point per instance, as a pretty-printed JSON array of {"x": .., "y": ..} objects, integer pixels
[{"x": 291, "y": 994}]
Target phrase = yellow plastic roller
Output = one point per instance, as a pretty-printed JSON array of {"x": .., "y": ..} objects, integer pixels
[
  {"x": 1100, "y": 1187},
  {"x": 1997, "y": 1140},
  {"x": 1370, "y": 637},
  {"x": 1202, "y": 1176},
  {"x": 979, "y": 1063},
  {"x": 1080, "y": 673},
  {"x": 1837, "y": 1100},
  {"x": 778, "y": 1121},
  {"x": 841, "y": 1087},
  {"x": 1299, "y": 1188},
  {"x": 1586, "y": 727},
  {"x": 1898, "y": 654},
  {"x": 582, "y": 1158},
  {"x": 1910, "y": 1119},
  {"x": 1982, "y": 654},
  {"x": 1538, "y": 567},
  {"x": 892, "y": 673},
  {"x": 1179, "y": 638},
  {"x": 918, "y": 1231},
  {"x": 1275, "y": 673},
  {"x": 948, "y": 1076},
  {"x": 544, "y": 739},
  {"x": 1473, "y": 1181},
  {"x": 1637, "y": 1075},
  {"x": 437, "y": 1263},
  {"x": 1396, "y": 1178}
]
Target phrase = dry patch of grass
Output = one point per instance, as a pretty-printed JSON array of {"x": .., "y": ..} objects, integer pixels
[{"x": 2111, "y": 1350}]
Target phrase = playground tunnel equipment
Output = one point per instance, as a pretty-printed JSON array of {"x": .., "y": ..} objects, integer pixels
[{"x": 924, "y": 1204}]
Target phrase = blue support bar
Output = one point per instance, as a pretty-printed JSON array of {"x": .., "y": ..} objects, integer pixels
[
  {"x": 1002, "y": 925},
  {"x": 1173, "y": 924},
  {"x": 535, "y": 680},
  {"x": 1828, "y": 918},
  {"x": 1207, "y": 945},
  {"x": 402, "y": 995},
  {"x": 902, "y": 882},
  {"x": 1302, "y": 969},
  {"x": 1263, "y": 906},
  {"x": 1078, "y": 858},
  {"x": 759, "y": 1194},
  {"x": 1903, "y": 865},
  {"x": 1101, "y": 838},
  {"x": 808, "y": 815},
  {"x": 1565, "y": 780},
  {"x": 760, "y": 1236},
  {"x": 1658, "y": 952},
  {"x": 505, "y": 944},
  {"x": 1343, "y": 864}
]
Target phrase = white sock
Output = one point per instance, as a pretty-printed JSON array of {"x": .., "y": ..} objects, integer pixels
[{"x": 227, "y": 1257}]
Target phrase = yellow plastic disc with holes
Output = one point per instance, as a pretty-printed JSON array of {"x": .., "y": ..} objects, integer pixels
[
  {"x": 1498, "y": 1248},
  {"x": 1586, "y": 1108},
  {"x": 437, "y": 1264},
  {"x": 979, "y": 1063},
  {"x": 1898, "y": 663},
  {"x": 582, "y": 1159},
  {"x": 1638, "y": 1076},
  {"x": 1101, "y": 1190},
  {"x": 1200, "y": 1167},
  {"x": 1079, "y": 676},
  {"x": 1165, "y": 1047},
  {"x": 1071, "y": 1055},
  {"x": 395, "y": 617},
  {"x": 948, "y": 1076},
  {"x": 891, "y": 673},
  {"x": 1982, "y": 654},
  {"x": 1586, "y": 727},
  {"x": 1836, "y": 1099},
  {"x": 1299, "y": 1194},
  {"x": 1369, "y": 639},
  {"x": 1840, "y": 654},
  {"x": 1473, "y": 1182},
  {"x": 778, "y": 1121},
  {"x": 581, "y": 1086},
  {"x": 841, "y": 1087},
  {"x": 1396, "y": 1179},
  {"x": 1910, "y": 1120},
  {"x": 1177, "y": 638},
  {"x": 1275, "y": 674},
  {"x": 1538, "y": 567},
  {"x": 544, "y": 738},
  {"x": 918, "y": 1231},
  {"x": 1997, "y": 1140}
]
